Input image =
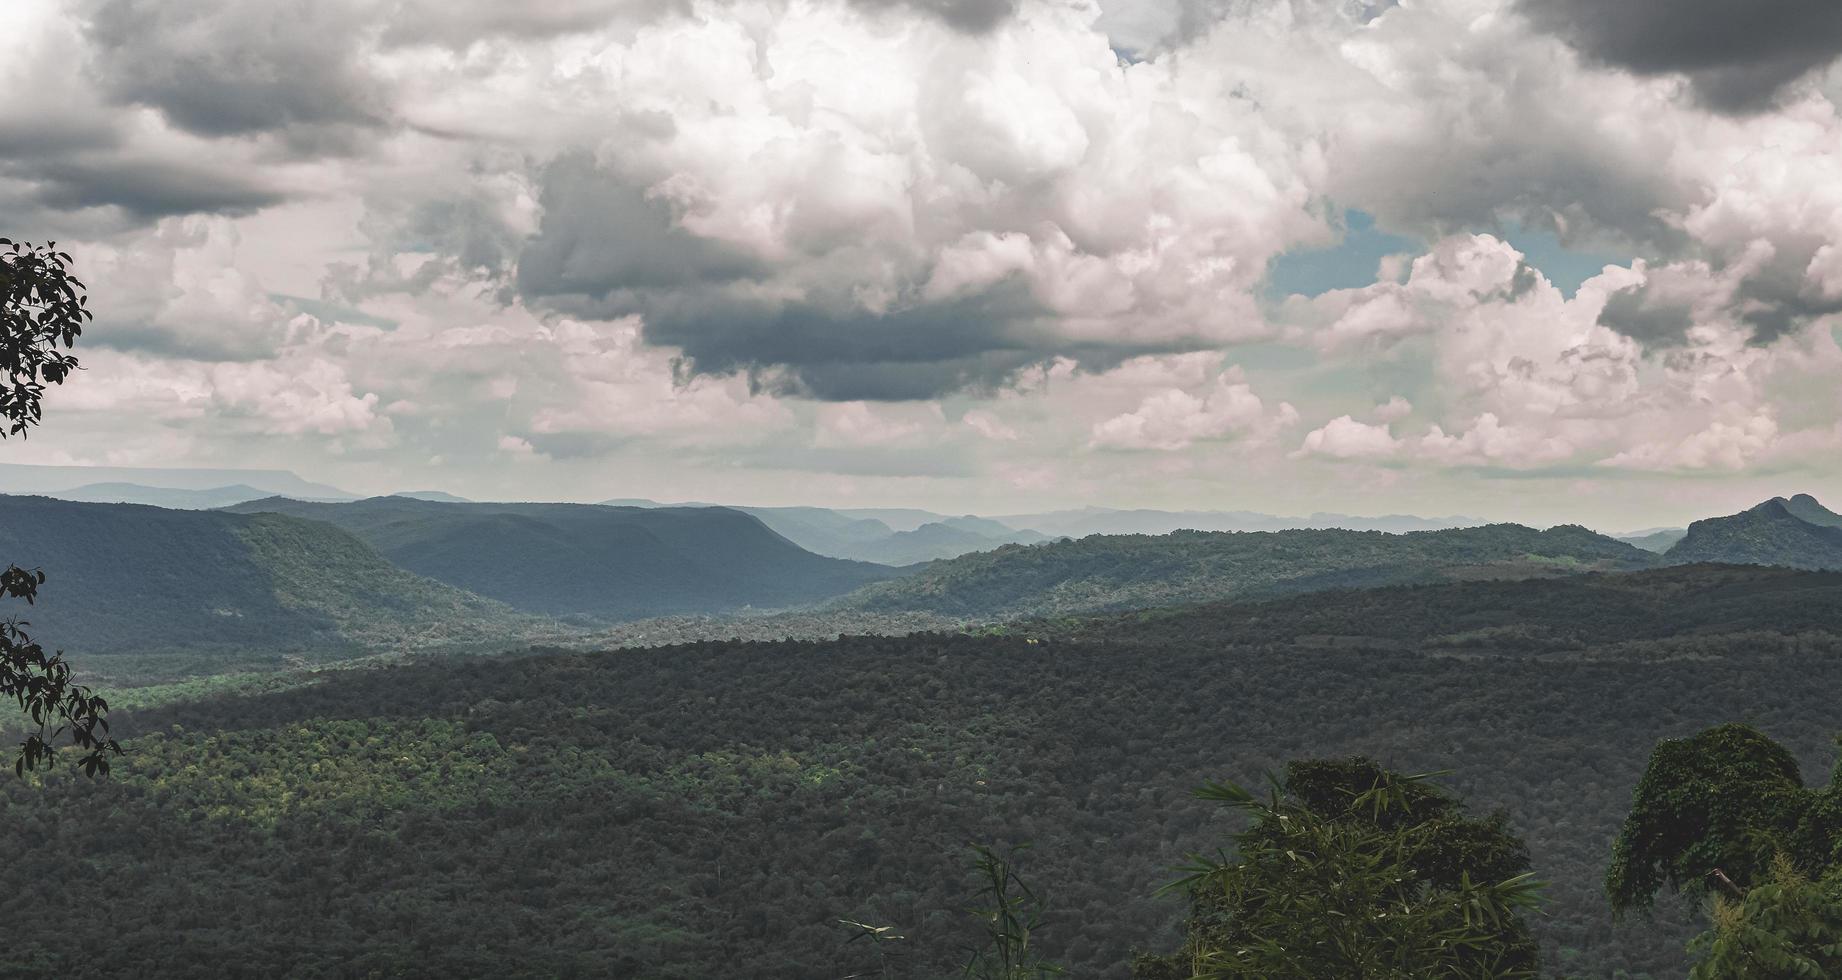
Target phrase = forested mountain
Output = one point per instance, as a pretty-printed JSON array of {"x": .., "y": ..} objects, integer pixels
[
  {"x": 125, "y": 578},
  {"x": 1107, "y": 572},
  {"x": 1797, "y": 533},
  {"x": 712, "y": 810},
  {"x": 1806, "y": 508},
  {"x": 591, "y": 560},
  {"x": 946, "y": 539}
]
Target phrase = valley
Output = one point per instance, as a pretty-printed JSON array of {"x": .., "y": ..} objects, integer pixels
[{"x": 370, "y": 708}]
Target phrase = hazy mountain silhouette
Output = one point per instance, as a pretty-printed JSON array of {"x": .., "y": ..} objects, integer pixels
[{"x": 23, "y": 478}]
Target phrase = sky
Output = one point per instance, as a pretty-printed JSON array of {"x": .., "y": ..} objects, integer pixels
[{"x": 1536, "y": 260}]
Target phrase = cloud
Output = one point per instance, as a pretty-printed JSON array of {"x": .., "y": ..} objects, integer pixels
[
  {"x": 146, "y": 189},
  {"x": 237, "y": 68},
  {"x": 989, "y": 425},
  {"x": 1173, "y": 419},
  {"x": 1345, "y": 438},
  {"x": 860, "y": 424},
  {"x": 1738, "y": 56},
  {"x": 1393, "y": 410},
  {"x": 1647, "y": 318},
  {"x": 895, "y": 215},
  {"x": 458, "y": 24},
  {"x": 1722, "y": 446},
  {"x": 1003, "y": 248},
  {"x": 1654, "y": 367},
  {"x": 972, "y": 16}
]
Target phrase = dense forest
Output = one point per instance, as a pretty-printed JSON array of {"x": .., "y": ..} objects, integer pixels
[
  {"x": 1113, "y": 572},
  {"x": 716, "y": 808},
  {"x": 1601, "y": 615}
]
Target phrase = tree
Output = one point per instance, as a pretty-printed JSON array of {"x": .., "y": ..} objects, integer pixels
[
  {"x": 42, "y": 308},
  {"x": 1011, "y": 921},
  {"x": 1350, "y": 870},
  {"x": 1787, "y": 927},
  {"x": 1725, "y": 816},
  {"x": 1711, "y": 814}
]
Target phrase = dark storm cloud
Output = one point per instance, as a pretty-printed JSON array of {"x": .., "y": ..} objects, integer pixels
[
  {"x": 1737, "y": 55},
  {"x": 144, "y": 190},
  {"x": 971, "y": 16},
  {"x": 604, "y": 249},
  {"x": 238, "y": 67},
  {"x": 1647, "y": 319},
  {"x": 53, "y": 135},
  {"x": 602, "y": 239},
  {"x": 1774, "y": 306},
  {"x": 844, "y": 353},
  {"x": 458, "y": 23}
]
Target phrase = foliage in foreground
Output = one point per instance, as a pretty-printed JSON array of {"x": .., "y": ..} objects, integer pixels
[
  {"x": 1011, "y": 918},
  {"x": 43, "y": 309},
  {"x": 1350, "y": 870},
  {"x": 1787, "y": 927},
  {"x": 1725, "y": 817},
  {"x": 1714, "y": 812}
]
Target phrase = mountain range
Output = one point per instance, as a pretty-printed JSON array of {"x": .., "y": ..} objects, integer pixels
[
  {"x": 589, "y": 560},
  {"x": 126, "y": 578},
  {"x": 278, "y": 575},
  {"x": 888, "y": 537},
  {"x": 901, "y": 536},
  {"x": 23, "y": 478}
]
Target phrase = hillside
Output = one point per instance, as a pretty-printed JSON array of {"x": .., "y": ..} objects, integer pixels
[
  {"x": 1797, "y": 532},
  {"x": 1101, "y": 573},
  {"x": 590, "y": 560},
  {"x": 1539, "y": 616},
  {"x": 126, "y": 578},
  {"x": 1085, "y": 521},
  {"x": 455, "y": 818}
]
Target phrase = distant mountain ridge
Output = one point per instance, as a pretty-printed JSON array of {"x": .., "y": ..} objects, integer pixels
[
  {"x": 1659, "y": 540},
  {"x": 440, "y": 496},
  {"x": 127, "y": 578},
  {"x": 1795, "y": 532},
  {"x": 1114, "y": 572},
  {"x": 175, "y": 498},
  {"x": 1104, "y": 520},
  {"x": 603, "y": 562},
  {"x": 26, "y": 478},
  {"x": 852, "y": 535},
  {"x": 902, "y": 536}
]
